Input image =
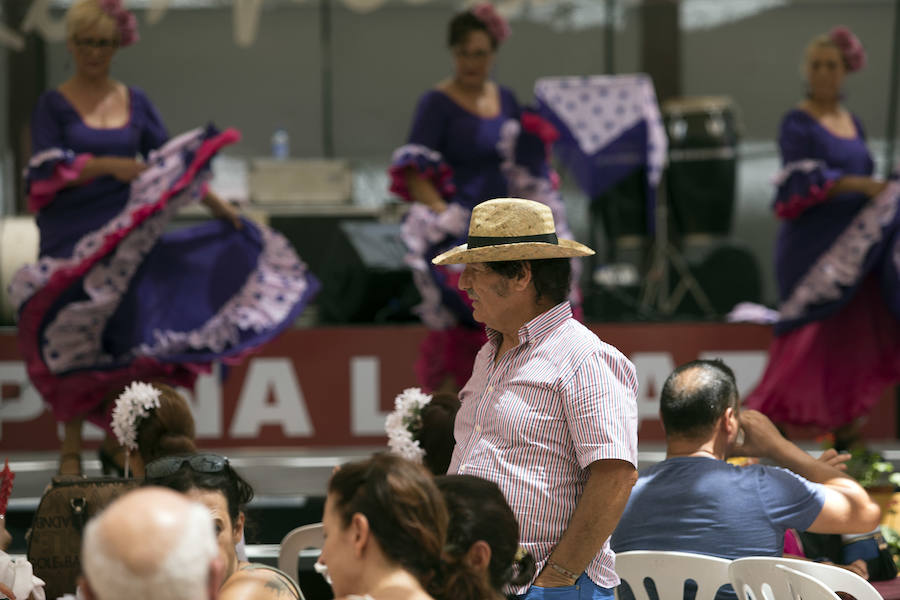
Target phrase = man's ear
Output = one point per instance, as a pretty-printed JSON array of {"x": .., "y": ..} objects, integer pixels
[
  {"x": 479, "y": 556},
  {"x": 730, "y": 423},
  {"x": 359, "y": 528},
  {"x": 523, "y": 279}
]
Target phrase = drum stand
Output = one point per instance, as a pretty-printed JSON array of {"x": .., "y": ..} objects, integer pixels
[{"x": 656, "y": 294}]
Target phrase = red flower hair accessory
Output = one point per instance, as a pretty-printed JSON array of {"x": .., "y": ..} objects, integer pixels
[
  {"x": 496, "y": 25},
  {"x": 851, "y": 48},
  {"x": 126, "y": 23}
]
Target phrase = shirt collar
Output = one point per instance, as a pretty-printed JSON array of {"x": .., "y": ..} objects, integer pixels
[{"x": 539, "y": 326}]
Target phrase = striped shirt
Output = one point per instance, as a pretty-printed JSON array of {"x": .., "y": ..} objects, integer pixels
[{"x": 536, "y": 420}]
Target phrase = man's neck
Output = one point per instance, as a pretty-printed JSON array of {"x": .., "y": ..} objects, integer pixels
[
  {"x": 684, "y": 447},
  {"x": 509, "y": 335}
]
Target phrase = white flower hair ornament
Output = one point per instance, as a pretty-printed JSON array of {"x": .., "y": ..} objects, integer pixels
[
  {"x": 132, "y": 405},
  {"x": 404, "y": 425}
]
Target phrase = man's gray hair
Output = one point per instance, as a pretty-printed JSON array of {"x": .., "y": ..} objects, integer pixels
[{"x": 183, "y": 574}]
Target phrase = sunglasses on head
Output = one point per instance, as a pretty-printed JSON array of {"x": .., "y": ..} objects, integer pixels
[{"x": 199, "y": 463}]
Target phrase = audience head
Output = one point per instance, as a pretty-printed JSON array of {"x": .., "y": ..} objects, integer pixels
[
  {"x": 168, "y": 429},
  {"x": 210, "y": 480},
  {"x": 436, "y": 435},
  {"x": 152, "y": 420},
  {"x": 388, "y": 510},
  {"x": 483, "y": 531},
  {"x": 695, "y": 397},
  {"x": 151, "y": 544}
]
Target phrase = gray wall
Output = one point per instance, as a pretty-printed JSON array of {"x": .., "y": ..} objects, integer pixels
[
  {"x": 757, "y": 61},
  {"x": 383, "y": 61}
]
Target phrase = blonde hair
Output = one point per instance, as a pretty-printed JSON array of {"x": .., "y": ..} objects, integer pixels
[
  {"x": 87, "y": 14},
  {"x": 822, "y": 41}
]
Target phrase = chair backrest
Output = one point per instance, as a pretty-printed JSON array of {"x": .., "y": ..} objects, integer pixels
[
  {"x": 301, "y": 538},
  {"x": 756, "y": 573},
  {"x": 669, "y": 571},
  {"x": 806, "y": 587}
]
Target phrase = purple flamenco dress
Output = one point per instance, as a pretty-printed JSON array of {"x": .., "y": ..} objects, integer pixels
[
  {"x": 116, "y": 297},
  {"x": 837, "y": 344},
  {"x": 469, "y": 159}
]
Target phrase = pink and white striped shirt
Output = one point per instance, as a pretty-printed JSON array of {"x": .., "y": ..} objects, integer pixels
[{"x": 533, "y": 422}]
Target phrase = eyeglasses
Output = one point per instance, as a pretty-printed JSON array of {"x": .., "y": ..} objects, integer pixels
[
  {"x": 97, "y": 43},
  {"x": 476, "y": 55},
  {"x": 199, "y": 463}
]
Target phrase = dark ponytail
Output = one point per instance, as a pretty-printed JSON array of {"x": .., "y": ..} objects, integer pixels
[
  {"x": 408, "y": 518},
  {"x": 479, "y": 511}
]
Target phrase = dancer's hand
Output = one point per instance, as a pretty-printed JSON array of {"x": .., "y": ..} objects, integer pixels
[
  {"x": 125, "y": 169},
  {"x": 223, "y": 210}
]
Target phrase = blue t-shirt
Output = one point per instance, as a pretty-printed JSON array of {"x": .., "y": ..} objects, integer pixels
[{"x": 704, "y": 505}]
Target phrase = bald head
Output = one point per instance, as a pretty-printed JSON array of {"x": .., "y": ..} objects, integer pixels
[
  {"x": 695, "y": 396},
  {"x": 163, "y": 515},
  {"x": 150, "y": 543}
]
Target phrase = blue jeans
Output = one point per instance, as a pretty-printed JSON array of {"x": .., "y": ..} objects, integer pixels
[{"x": 584, "y": 589}]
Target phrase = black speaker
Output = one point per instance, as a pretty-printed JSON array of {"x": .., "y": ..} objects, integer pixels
[
  {"x": 364, "y": 277},
  {"x": 702, "y": 175}
]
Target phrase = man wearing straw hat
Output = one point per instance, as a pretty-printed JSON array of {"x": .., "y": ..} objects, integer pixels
[{"x": 550, "y": 410}]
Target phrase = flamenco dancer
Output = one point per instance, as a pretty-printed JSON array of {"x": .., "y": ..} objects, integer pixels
[
  {"x": 470, "y": 141},
  {"x": 837, "y": 259},
  {"x": 114, "y": 298}
]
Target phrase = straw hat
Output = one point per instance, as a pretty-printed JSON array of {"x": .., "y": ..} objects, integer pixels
[{"x": 511, "y": 229}]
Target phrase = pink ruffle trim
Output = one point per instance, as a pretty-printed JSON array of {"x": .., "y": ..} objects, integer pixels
[
  {"x": 441, "y": 176},
  {"x": 797, "y": 204},
  {"x": 82, "y": 390},
  {"x": 42, "y": 192}
]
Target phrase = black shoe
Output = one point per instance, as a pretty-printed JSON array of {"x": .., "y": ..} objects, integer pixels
[{"x": 108, "y": 463}]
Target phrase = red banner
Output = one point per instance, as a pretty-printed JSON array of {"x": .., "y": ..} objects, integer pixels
[{"x": 333, "y": 386}]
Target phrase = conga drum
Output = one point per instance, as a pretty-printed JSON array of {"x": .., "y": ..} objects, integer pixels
[
  {"x": 19, "y": 240},
  {"x": 702, "y": 173}
]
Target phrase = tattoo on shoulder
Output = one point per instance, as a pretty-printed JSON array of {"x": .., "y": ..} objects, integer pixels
[{"x": 278, "y": 586}]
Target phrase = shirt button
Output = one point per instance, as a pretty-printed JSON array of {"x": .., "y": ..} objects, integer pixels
[
  {"x": 478, "y": 429},
  {"x": 462, "y": 470},
  {"x": 491, "y": 389}
]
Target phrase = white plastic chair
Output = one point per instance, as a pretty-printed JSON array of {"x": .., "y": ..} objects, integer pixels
[
  {"x": 806, "y": 587},
  {"x": 669, "y": 571},
  {"x": 756, "y": 578},
  {"x": 301, "y": 538}
]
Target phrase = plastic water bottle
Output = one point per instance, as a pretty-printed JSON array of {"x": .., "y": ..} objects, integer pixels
[{"x": 281, "y": 144}]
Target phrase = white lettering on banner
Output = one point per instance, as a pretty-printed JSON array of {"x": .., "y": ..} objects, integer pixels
[
  {"x": 27, "y": 405},
  {"x": 748, "y": 366},
  {"x": 652, "y": 370},
  {"x": 206, "y": 404},
  {"x": 365, "y": 385},
  {"x": 288, "y": 408}
]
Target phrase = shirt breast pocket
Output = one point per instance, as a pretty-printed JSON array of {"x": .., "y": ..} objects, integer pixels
[{"x": 529, "y": 412}]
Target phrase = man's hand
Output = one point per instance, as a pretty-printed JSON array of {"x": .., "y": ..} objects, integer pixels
[
  {"x": 833, "y": 458},
  {"x": 761, "y": 436}
]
